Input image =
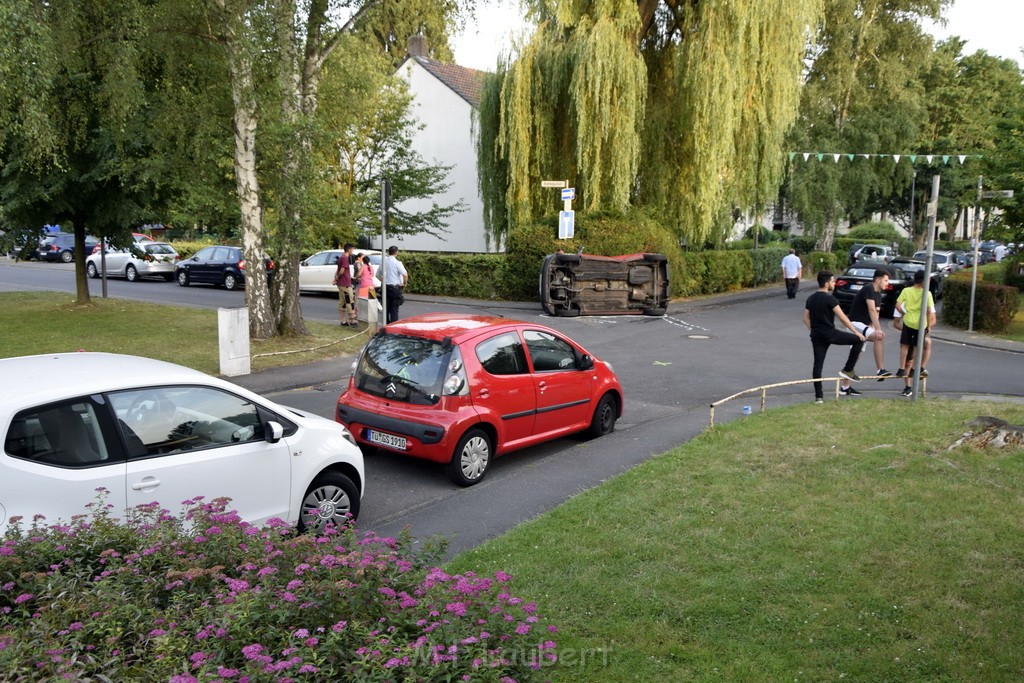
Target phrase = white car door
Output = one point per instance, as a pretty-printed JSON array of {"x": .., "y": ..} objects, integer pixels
[
  {"x": 192, "y": 441},
  {"x": 57, "y": 462},
  {"x": 318, "y": 273}
]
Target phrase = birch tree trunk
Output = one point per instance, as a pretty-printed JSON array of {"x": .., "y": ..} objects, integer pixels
[{"x": 244, "y": 122}]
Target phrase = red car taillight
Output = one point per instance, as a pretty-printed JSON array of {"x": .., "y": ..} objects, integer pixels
[
  {"x": 241, "y": 265},
  {"x": 889, "y": 287},
  {"x": 841, "y": 283},
  {"x": 270, "y": 265}
]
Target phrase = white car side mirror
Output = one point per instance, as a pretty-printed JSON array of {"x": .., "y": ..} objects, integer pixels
[{"x": 274, "y": 431}]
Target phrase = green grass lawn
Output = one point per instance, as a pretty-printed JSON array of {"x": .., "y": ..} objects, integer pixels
[
  {"x": 807, "y": 543},
  {"x": 47, "y": 322}
]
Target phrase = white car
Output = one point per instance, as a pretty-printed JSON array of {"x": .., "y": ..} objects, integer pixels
[
  {"x": 142, "y": 259},
  {"x": 149, "y": 431},
  {"x": 316, "y": 274}
]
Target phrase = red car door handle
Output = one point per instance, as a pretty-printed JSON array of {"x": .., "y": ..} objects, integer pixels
[
  {"x": 542, "y": 385},
  {"x": 484, "y": 393}
]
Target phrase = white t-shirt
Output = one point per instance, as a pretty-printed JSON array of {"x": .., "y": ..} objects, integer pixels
[
  {"x": 394, "y": 271},
  {"x": 791, "y": 265}
]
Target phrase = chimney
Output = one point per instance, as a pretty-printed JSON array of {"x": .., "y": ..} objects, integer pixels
[{"x": 417, "y": 46}]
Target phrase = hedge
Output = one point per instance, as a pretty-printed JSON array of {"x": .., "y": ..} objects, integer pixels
[{"x": 994, "y": 305}]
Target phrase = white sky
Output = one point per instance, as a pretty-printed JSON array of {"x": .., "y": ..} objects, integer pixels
[{"x": 996, "y": 26}]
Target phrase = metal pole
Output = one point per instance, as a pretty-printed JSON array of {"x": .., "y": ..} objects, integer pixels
[
  {"x": 922, "y": 323},
  {"x": 977, "y": 248},
  {"x": 383, "y": 249},
  {"x": 913, "y": 191},
  {"x": 103, "y": 265}
]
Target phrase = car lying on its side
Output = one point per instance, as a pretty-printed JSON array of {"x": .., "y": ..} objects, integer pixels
[
  {"x": 147, "y": 431},
  {"x": 581, "y": 284}
]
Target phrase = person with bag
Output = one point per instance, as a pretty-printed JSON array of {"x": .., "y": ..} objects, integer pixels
[
  {"x": 343, "y": 280},
  {"x": 366, "y": 288}
]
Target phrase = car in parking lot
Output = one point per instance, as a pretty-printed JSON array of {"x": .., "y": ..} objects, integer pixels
[
  {"x": 461, "y": 389},
  {"x": 316, "y": 273},
  {"x": 911, "y": 266},
  {"x": 142, "y": 259},
  {"x": 584, "y": 284},
  {"x": 881, "y": 253},
  {"x": 149, "y": 431},
  {"x": 947, "y": 262},
  {"x": 217, "y": 265},
  {"x": 861, "y": 275},
  {"x": 61, "y": 247}
]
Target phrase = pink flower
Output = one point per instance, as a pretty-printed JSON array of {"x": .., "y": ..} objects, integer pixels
[
  {"x": 522, "y": 629},
  {"x": 24, "y": 597}
]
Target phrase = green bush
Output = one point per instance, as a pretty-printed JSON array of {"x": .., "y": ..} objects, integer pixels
[
  {"x": 1014, "y": 276},
  {"x": 994, "y": 305},
  {"x": 188, "y": 249},
  {"x": 463, "y": 275},
  {"x": 882, "y": 232},
  {"x": 206, "y": 596},
  {"x": 818, "y": 261},
  {"x": 803, "y": 245},
  {"x": 766, "y": 266}
]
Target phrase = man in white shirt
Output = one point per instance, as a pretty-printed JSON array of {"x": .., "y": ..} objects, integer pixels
[
  {"x": 999, "y": 252},
  {"x": 792, "y": 271},
  {"x": 395, "y": 279}
]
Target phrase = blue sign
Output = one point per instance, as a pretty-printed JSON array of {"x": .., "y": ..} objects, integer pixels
[
  {"x": 566, "y": 224},
  {"x": 568, "y": 194}
]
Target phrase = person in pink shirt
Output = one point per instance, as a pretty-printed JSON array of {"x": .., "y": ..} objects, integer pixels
[{"x": 366, "y": 289}]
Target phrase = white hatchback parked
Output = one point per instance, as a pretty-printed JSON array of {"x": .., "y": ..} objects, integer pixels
[{"x": 149, "y": 431}]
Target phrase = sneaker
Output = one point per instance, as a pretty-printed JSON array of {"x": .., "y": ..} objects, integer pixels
[
  {"x": 907, "y": 391},
  {"x": 819, "y": 400},
  {"x": 924, "y": 372},
  {"x": 848, "y": 391},
  {"x": 901, "y": 373},
  {"x": 882, "y": 374},
  {"x": 850, "y": 375}
]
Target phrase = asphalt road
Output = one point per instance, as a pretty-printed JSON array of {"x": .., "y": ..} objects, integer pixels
[{"x": 671, "y": 369}]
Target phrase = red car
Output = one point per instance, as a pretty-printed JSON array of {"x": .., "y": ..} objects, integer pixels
[{"x": 462, "y": 389}]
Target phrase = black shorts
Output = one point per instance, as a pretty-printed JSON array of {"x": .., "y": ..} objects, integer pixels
[{"x": 908, "y": 337}]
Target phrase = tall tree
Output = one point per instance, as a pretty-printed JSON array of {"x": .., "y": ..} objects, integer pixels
[
  {"x": 701, "y": 92},
  {"x": 862, "y": 95},
  {"x": 73, "y": 118}
]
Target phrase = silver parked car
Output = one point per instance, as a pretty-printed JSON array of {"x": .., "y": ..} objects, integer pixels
[
  {"x": 142, "y": 259},
  {"x": 316, "y": 274},
  {"x": 946, "y": 262}
]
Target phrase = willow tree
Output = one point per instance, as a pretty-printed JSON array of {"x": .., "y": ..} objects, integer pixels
[{"x": 681, "y": 106}]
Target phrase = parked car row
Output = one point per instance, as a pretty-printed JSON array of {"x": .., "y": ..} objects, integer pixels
[{"x": 901, "y": 275}]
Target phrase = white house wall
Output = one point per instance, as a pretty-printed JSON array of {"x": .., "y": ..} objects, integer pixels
[{"x": 446, "y": 139}]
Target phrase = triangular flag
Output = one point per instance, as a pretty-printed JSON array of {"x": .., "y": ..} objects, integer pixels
[
  {"x": 928, "y": 158},
  {"x": 896, "y": 157},
  {"x": 866, "y": 156},
  {"x": 912, "y": 157},
  {"x": 791, "y": 155},
  {"x": 962, "y": 157},
  {"x": 945, "y": 159},
  {"x": 808, "y": 154},
  {"x": 821, "y": 155},
  {"x": 850, "y": 156},
  {"x": 835, "y": 157},
  {"x": 881, "y": 156}
]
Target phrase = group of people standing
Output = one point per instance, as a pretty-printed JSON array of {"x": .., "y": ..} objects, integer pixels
[
  {"x": 864, "y": 325},
  {"x": 354, "y": 277}
]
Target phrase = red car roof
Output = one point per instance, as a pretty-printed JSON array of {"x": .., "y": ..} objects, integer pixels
[{"x": 440, "y": 325}]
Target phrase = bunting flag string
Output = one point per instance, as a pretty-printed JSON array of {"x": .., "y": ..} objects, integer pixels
[{"x": 912, "y": 158}]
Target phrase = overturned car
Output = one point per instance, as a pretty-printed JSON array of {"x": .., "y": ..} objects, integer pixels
[{"x": 581, "y": 284}]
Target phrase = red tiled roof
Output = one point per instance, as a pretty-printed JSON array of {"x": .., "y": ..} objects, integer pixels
[{"x": 467, "y": 83}]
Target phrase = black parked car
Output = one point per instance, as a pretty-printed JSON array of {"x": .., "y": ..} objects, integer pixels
[
  {"x": 61, "y": 247},
  {"x": 859, "y": 276},
  {"x": 217, "y": 265},
  {"x": 912, "y": 265}
]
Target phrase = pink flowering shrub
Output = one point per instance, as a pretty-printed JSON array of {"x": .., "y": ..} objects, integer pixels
[{"x": 208, "y": 597}]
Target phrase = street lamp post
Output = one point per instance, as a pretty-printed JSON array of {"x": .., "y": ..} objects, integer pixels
[
  {"x": 977, "y": 248},
  {"x": 913, "y": 190}
]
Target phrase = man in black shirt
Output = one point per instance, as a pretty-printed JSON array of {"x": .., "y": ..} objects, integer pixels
[
  {"x": 864, "y": 313},
  {"x": 820, "y": 312}
]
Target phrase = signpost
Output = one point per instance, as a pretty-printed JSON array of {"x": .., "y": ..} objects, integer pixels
[
  {"x": 568, "y": 194},
  {"x": 554, "y": 183},
  {"x": 997, "y": 194},
  {"x": 987, "y": 194},
  {"x": 566, "y": 224}
]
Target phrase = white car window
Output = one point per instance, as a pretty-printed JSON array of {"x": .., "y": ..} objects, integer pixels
[
  {"x": 66, "y": 434},
  {"x": 164, "y": 420}
]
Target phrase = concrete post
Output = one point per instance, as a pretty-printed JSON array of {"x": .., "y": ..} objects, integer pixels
[{"x": 233, "y": 336}]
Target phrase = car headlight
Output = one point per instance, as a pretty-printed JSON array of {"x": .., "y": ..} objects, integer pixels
[{"x": 348, "y": 436}]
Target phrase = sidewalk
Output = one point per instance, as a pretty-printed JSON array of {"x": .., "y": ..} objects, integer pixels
[{"x": 338, "y": 369}]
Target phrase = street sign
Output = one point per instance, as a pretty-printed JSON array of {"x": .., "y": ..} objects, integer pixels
[
  {"x": 566, "y": 224},
  {"x": 554, "y": 183},
  {"x": 994, "y": 194},
  {"x": 568, "y": 194},
  {"x": 931, "y": 209}
]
